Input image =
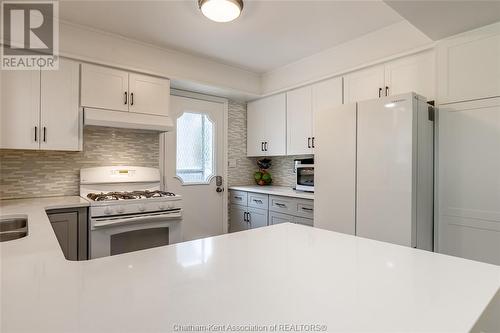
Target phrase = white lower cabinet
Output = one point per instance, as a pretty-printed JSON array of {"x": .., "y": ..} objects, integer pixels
[{"x": 250, "y": 210}]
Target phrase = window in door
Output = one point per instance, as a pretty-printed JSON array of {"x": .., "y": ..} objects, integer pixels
[{"x": 195, "y": 148}]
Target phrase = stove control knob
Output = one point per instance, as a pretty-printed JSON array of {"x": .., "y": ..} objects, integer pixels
[
  {"x": 120, "y": 210},
  {"x": 107, "y": 211},
  {"x": 142, "y": 208}
]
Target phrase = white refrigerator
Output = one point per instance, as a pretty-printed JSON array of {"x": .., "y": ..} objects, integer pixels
[{"x": 374, "y": 163}]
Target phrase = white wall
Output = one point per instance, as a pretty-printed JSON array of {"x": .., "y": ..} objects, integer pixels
[
  {"x": 371, "y": 48},
  {"x": 183, "y": 69}
]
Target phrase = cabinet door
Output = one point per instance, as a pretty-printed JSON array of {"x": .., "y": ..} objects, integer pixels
[
  {"x": 414, "y": 73},
  {"x": 469, "y": 66},
  {"x": 65, "y": 226},
  {"x": 60, "y": 121},
  {"x": 326, "y": 96},
  {"x": 277, "y": 218},
  {"x": 104, "y": 88},
  {"x": 149, "y": 94},
  {"x": 257, "y": 217},
  {"x": 237, "y": 218},
  {"x": 364, "y": 84},
  {"x": 256, "y": 127},
  {"x": 19, "y": 109},
  {"x": 298, "y": 120},
  {"x": 273, "y": 117}
]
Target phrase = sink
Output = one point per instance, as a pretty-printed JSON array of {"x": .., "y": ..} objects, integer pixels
[{"x": 13, "y": 228}]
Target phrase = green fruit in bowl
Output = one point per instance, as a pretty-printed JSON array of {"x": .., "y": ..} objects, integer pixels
[
  {"x": 267, "y": 178},
  {"x": 258, "y": 176}
]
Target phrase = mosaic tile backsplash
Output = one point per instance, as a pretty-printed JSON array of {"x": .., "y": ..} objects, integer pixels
[{"x": 31, "y": 173}]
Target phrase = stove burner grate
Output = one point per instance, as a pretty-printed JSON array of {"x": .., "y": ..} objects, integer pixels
[{"x": 128, "y": 195}]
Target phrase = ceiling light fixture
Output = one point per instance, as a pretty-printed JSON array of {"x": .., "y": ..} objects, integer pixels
[{"x": 221, "y": 10}]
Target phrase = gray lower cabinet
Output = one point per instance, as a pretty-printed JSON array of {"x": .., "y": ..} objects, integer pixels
[
  {"x": 252, "y": 210},
  {"x": 71, "y": 229}
]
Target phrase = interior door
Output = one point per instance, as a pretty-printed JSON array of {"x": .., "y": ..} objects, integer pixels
[
  {"x": 59, "y": 107},
  {"x": 19, "y": 109},
  {"x": 104, "y": 88},
  {"x": 194, "y": 157},
  {"x": 150, "y": 95}
]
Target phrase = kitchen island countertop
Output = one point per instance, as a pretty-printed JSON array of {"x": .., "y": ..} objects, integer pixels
[{"x": 282, "y": 274}]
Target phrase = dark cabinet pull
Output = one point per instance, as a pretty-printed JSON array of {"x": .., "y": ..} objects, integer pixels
[
  {"x": 265, "y": 146},
  {"x": 36, "y": 133},
  {"x": 257, "y": 201},
  {"x": 379, "y": 92},
  {"x": 126, "y": 98},
  {"x": 313, "y": 142},
  {"x": 245, "y": 216},
  {"x": 262, "y": 146},
  {"x": 280, "y": 205},
  {"x": 131, "y": 98},
  {"x": 387, "y": 90},
  {"x": 308, "y": 209},
  {"x": 249, "y": 217},
  {"x": 308, "y": 142},
  {"x": 44, "y": 134}
]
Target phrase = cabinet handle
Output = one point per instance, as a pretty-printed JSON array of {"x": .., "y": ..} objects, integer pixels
[
  {"x": 239, "y": 198},
  {"x": 308, "y": 142},
  {"x": 44, "y": 134},
  {"x": 131, "y": 98},
  {"x": 36, "y": 133},
  {"x": 265, "y": 146},
  {"x": 387, "y": 90},
  {"x": 249, "y": 217},
  {"x": 313, "y": 142},
  {"x": 126, "y": 98},
  {"x": 245, "y": 216},
  {"x": 280, "y": 205},
  {"x": 307, "y": 209},
  {"x": 379, "y": 92},
  {"x": 262, "y": 146},
  {"x": 257, "y": 201}
]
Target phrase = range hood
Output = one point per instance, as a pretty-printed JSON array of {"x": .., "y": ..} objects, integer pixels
[{"x": 122, "y": 119}]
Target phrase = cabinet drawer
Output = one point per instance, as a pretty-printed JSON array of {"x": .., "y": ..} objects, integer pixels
[
  {"x": 282, "y": 204},
  {"x": 305, "y": 208},
  {"x": 303, "y": 221},
  {"x": 238, "y": 198},
  {"x": 258, "y": 200},
  {"x": 277, "y": 218}
]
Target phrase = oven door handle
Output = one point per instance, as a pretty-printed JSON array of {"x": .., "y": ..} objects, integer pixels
[{"x": 110, "y": 222}]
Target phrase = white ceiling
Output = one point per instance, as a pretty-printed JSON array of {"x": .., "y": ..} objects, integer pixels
[
  {"x": 269, "y": 34},
  {"x": 440, "y": 19}
]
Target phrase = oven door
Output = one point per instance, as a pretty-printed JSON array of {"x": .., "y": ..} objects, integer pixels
[
  {"x": 112, "y": 235},
  {"x": 305, "y": 178}
]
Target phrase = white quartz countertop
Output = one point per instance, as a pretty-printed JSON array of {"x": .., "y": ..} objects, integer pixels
[
  {"x": 282, "y": 274},
  {"x": 274, "y": 190}
]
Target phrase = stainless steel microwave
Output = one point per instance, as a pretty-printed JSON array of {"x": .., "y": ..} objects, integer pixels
[{"x": 305, "y": 178}]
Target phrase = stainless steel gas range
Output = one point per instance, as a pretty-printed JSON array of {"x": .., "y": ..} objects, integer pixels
[{"x": 128, "y": 211}]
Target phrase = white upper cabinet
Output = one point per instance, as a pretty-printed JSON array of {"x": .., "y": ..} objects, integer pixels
[
  {"x": 104, "y": 88},
  {"x": 302, "y": 107},
  {"x": 469, "y": 66},
  {"x": 59, "y": 116},
  {"x": 326, "y": 96},
  {"x": 149, "y": 94},
  {"x": 39, "y": 110},
  {"x": 299, "y": 121},
  {"x": 413, "y": 73},
  {"x": 364, "y": 84},
  {"x": 113, "y": 89},
  {"x": 266, "y": 126},
  {"x": 19, "y": 109}
]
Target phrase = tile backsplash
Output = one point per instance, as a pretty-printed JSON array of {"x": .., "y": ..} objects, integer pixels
[{"x": 31, "y": 173}]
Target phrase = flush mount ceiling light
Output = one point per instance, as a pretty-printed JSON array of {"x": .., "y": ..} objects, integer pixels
[{"x": 221, "y": 10}]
